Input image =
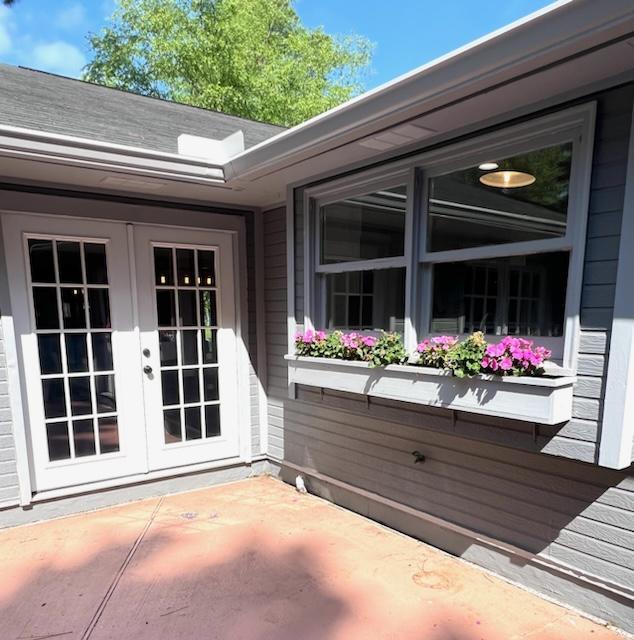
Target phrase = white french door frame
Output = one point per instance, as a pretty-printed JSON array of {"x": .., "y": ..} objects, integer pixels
[
  {"x": 39, "y": 207},
  {"x": 227, "y": 444}
]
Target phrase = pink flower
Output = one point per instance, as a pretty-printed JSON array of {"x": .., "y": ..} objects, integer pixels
[
  {"x": 485, "y": 362},
  {"x": 506, "y": 364},
  {"x": 368, "y": 341},
  {"x": 496, "y": 349},
  {"x": 320, "y": 336},
  {"x": 493, "y": 365}
]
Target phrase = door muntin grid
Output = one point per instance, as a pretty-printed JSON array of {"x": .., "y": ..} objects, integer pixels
[
  {"x": 70, "y": 305},
  {"x": 186, "y": 303}
]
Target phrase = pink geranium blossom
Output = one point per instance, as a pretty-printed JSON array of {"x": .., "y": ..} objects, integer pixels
[{"x": 514, "y": 356}]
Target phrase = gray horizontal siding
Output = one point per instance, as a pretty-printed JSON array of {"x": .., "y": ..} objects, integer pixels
[
  {"x": 9, "y": 489},
  {"x": 579, "y": 515},
  {"x": 276, "y": 326}
]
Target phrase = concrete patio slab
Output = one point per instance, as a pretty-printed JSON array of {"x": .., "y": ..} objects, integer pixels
[{"x": 254, "y": 560}]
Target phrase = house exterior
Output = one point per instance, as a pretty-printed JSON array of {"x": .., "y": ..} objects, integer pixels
[{"x": 158, "y": 260}]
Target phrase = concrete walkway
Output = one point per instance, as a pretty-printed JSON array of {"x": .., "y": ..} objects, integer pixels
[{"x": 253, "y": 560}]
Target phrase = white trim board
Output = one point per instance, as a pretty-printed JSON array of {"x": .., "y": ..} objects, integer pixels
[{"x": 617, "y": 433}]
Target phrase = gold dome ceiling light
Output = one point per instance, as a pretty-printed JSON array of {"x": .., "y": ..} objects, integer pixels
[{"x": 507, "y": 179}]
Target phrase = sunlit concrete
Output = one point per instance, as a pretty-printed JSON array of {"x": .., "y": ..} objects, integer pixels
[{"x": 254, "y": 560}]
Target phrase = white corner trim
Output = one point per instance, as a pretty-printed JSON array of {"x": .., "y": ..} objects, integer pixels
[
  {"x": 242, "y": 335},
  {"x": 291, "y": 320},
  {"x": 617, "y": 433},
  {"x": 260, "y": 330}
]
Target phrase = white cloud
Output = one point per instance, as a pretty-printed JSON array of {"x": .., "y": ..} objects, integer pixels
[
  {"x": 58, "y": 57},
  {"x": 71, "y": 17},
  {"x": 5, "y": 36}
]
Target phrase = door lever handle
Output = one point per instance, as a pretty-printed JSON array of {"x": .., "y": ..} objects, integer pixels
[{"x": 147, "y": 369}]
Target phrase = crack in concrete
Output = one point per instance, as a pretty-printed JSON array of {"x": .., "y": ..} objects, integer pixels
[{"x": 117, "y": 578}]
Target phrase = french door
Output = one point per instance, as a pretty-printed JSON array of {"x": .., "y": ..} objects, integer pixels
[
  {"x": 127, "y": 349},
  {"x": 187, "y": 321}
]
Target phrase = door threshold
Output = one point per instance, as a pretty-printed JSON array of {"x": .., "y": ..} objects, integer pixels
[{"x": 122, "y": 481}]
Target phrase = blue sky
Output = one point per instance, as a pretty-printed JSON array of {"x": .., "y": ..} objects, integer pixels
[{"x": 51, "y": 34}]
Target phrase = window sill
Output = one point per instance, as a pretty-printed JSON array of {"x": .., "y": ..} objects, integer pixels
[{"x": 546, "y": 400}]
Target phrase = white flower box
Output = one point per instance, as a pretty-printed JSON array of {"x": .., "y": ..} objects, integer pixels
[{"x": 542, "y": 400}]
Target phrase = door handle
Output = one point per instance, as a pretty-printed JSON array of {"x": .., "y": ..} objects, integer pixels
[{"x": 147, "y": 369}]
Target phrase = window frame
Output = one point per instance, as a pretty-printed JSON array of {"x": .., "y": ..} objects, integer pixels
[
  {"x": 574, "y": 125},
  {"x": 316, "y": 198}
]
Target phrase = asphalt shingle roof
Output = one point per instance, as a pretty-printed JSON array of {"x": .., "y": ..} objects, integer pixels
[{"x": 46, "y": 102}]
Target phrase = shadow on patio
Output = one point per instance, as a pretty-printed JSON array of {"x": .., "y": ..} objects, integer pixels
[{"x": 252, "y": 561}]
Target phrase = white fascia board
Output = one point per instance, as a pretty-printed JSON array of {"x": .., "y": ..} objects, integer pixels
[
  {"x": 562, "y": 29},
  {"x": 617, "y": 431},
  {"x": 19, "y": 142}
]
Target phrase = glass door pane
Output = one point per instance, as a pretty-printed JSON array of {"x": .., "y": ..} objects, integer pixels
[
  {"x": 185, "y": 298},
  {"x": 70, "y": 293}
]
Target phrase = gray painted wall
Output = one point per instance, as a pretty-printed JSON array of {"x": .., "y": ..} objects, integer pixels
[
  {"x": 9, "y": 491},
  {"x": 487, "y": 475}
]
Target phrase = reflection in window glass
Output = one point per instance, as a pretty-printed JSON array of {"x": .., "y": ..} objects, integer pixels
[
  {"x": 41, "y": 259},
  {"x": 45, "y": 303},
  {"x": 96, "y": 266},
  {"x": 466, "y": 211},
  {"x": 84, "y": 438},
  {"x": 57, "y": 440},
  {"x": 73, "y": 309},
  {"x": 106, "y": 398},
  {"x": 108, "y": 434},
  {"x": 364, "y": 227},
  {"x": 520, "y": 295},
  {"x": 69, "y": 262},
  {"x": 366, "y": 300},
  {"x": 50, "y": 353},
  {"x": 76, "y": 352}
]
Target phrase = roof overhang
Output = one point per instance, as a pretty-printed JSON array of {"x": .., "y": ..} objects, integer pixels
[{"x": 568, "y": 49}]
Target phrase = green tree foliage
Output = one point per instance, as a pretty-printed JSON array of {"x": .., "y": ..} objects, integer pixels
[{"x": 251, "y": 58}]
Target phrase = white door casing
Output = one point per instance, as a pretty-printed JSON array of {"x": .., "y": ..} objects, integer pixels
[{"x": 99, "y": 396}]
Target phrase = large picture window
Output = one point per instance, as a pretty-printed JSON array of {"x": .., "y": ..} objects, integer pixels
[{"x": 488, "y": 235}]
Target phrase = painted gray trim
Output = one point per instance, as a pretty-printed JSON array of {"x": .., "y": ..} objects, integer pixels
[{"x": 617, "y": 435}]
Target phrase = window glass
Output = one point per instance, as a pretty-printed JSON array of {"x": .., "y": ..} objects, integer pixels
[
  {"x": 366, "y": 300},
  {"x": 502, "y": 200},
  {"x": 520, "y": 295},
  {"x": 364, "y": 227}
]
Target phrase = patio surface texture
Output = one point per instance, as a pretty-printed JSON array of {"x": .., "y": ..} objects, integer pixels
[{"x": 254, "y": 560}]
